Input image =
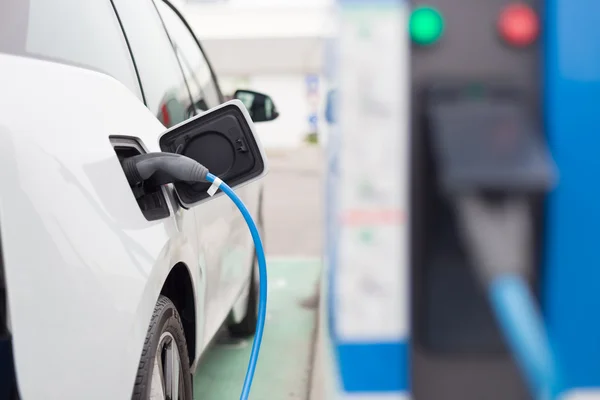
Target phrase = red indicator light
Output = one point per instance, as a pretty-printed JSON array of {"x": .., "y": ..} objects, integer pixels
[
  {"x": 518, "y": 25},
  {"x": 166, "y": 118}
]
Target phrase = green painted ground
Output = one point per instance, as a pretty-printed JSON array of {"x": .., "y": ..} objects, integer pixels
[{"x": 284, "y": 365}]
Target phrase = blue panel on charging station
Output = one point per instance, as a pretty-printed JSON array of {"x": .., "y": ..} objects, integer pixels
[{"x": 571, "y": 289}]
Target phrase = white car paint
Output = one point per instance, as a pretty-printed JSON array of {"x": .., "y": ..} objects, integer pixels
[{"x": 83, "y": 267}]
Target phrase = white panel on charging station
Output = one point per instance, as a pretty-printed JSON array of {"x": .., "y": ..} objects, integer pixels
[
  {"x": 372, "y": 279},
  {"x": 367, "y": 201}
]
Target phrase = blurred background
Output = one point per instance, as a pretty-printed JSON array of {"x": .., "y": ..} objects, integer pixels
[{"x": 275, "y": 47}]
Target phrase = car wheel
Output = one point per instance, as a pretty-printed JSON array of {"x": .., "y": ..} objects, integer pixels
[
  {"x": 164, "y": 370},
  {"x": 247, "y": 326}
]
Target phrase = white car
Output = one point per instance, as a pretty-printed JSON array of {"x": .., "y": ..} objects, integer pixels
[{"x": 109, "y": 291}]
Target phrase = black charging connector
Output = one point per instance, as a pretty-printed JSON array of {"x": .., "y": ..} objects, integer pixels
[{"x": 156, "y": 169}]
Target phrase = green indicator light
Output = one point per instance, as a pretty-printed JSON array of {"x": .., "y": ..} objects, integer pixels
[
  {"x": 475, "y": 90},
  {"x": 426, "y": 25}
]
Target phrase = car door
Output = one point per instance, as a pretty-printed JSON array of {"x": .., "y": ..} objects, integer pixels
[{"x": 222, "y": 232}]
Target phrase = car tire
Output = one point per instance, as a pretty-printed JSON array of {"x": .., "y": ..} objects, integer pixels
[
  {"x": 247, "y": 326},
  {"x": 165, "y": 344}
]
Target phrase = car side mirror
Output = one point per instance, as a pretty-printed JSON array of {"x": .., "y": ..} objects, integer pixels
[
  {"x": 260, "y": 106},
  {"x": 224, "y": 141}
]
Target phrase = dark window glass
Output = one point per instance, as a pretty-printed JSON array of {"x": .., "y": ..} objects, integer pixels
[
  {"x": 204, "y": 90},
  {"x": 162, "y": 79},
  {"x": 85, "y": 33}
]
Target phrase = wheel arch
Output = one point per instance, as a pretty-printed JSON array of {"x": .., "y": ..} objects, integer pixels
[{"x": 179, "y": 288}]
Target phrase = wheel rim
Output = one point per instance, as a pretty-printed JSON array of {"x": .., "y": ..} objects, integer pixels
[{"x": 167, "y": 377}]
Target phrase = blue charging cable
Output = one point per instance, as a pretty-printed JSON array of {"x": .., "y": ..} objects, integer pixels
[
  {"x": 262, "y": 273},
  {"x": 524, "y": 331}
]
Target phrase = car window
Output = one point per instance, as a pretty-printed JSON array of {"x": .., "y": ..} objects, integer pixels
[
  {"x": 84, "y": 33},
  {"x": 203, "y": 88},
  {"x": 167, "y": 95}
]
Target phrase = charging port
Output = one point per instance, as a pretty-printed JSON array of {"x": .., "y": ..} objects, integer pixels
[{"x": 152, "y": 201}]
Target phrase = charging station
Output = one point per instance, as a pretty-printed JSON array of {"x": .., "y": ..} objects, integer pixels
[
  {"x": 475, "y": 92},
  {"x": 464, "y": 157}
]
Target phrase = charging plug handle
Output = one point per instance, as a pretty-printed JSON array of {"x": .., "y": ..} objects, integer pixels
[{"x": 155, "y": 169}]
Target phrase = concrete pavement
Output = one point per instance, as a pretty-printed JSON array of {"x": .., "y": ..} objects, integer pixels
[
  {"x": 293, "y": 203},
  {"x": 284, "y": 367}
]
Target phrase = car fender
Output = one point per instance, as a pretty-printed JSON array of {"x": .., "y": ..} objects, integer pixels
[{"x": 83, "y": 267}]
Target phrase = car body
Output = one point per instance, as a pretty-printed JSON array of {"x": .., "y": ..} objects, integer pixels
[{"x": 83, "y": 265}]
